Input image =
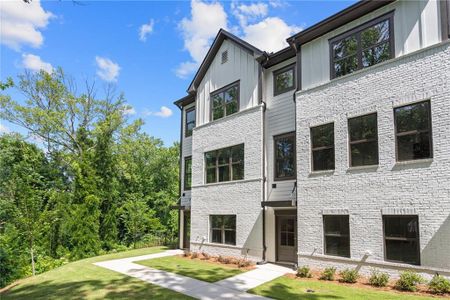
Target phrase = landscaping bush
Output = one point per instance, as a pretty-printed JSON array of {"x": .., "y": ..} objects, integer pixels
[
  {"x": 408, "y": 281},
  {"x": 244, "y": 263},
  {"x": 194, "y": 255},
  {"x": 378, "y": 279},
  {"x": 439, "y": 285},
  {"x": 187, "y": 253},
  {"x": 349, "y": 276},
  {"x": 304, "y": 272},
  {"x": 328, "y": 274},
  {"x": 205, "y": 256}
]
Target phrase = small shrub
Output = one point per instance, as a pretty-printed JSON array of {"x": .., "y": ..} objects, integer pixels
[
  {"x": 378, "y": 279},
  {"x": 408, "y": 281},
  {"x": 244, "y": 263},
  {"x": 328, "y": 274},
  {"x": 187, "y": 253},
  {"x": 349, "y": 276},
  {"x": 304, "y": 272},
  {"x": 205, "y": 256},
  {"x": 439, "y": 285},
  {"x": 194, "y": 255},
  {"x": 222, "y": 259}
]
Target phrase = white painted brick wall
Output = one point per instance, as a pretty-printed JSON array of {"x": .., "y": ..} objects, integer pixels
[
  {"x": 242, "y": 198},
  {"x": 424, "y": 187}
]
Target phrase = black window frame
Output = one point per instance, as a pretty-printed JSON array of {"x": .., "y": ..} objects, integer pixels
[
  {"x": 222, "y": 229},
  {"x": 357, "y": 31},
  {"x": 223, "y": 90},
  {"x": 187, "y": 172},
  {"x": 325, "y": 235},
  {"x": 276, "y": 177},
  {"x": 413, "y": 132},
  {"x": 362, "y": 141},
  {"x": 416, "y": 239},
  {"x": 230, "y": 164},
  {"x": 322, "y": 148},
  {"x": 280, "y": 71},
  {"x": 186, "y": 132}
]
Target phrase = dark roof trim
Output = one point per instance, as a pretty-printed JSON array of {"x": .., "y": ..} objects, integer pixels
[
  {"x": 278, "y": 57},
  {"x": 221, "y": 36},
  {"x": 186, "y": 100},
  {"x": 343, "y": 17}
]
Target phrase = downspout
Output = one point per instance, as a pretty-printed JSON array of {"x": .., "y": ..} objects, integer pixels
[
  {"x": 263, "y": 58},
  {"x": 179, "y": 178}
]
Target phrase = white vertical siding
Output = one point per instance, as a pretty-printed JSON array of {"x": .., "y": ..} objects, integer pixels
[
  {"x": 280, "y": 119},
  {"x": 416, "y": 26},
  {"x": 241, "y": 65}
]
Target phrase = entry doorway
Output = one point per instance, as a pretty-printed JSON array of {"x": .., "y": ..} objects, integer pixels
[
  {"x": 286, "y": 233},
  {"x": 186, "y": 229}
]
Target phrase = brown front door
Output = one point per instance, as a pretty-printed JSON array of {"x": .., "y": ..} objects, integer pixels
[
  {"x": 186, "y": 229},
  {"x": 286, "y": 239}
]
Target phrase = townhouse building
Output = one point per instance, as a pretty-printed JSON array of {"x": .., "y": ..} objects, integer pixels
[{"x": 334, "y": 151}]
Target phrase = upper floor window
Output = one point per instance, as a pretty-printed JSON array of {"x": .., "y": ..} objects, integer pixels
[
  {"x": 225, "y": 164},
  {"x": 284, "y": 80},
  {"x": 187, "y": 173},
  {"x": 322, "y": 141},
  {"x": 284, "y": 156},
  {"x": 223, "y": 229},
  {"x": 413, "y": 131},
  {"x": 401, "y": 239},
  {"x": 190, "y": 121},
  {"x": 364, "y": 46},
  {"x": 225, "y": 101},
  {"x": 363, "y": 140}
]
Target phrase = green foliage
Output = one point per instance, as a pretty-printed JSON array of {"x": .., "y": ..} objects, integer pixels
[
  {"x": 304, "y": 272},
  {"x": 349, "y": 275},
  {"x": 378, "y": 279},
  {"x": 439, "y": 285},
  {"x": 96, "y": 183},
  {"x": 328, "y": 274},
  {"x": 408, "y": 281}
]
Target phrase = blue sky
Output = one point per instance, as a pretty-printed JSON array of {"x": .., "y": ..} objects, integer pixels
[{"x": 148, "y": 49}]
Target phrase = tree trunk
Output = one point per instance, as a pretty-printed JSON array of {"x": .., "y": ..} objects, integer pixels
[{"x": 32, "y": 260}]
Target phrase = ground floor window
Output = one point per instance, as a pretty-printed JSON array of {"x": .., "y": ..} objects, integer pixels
[
  {"x": 337, "y": 235},
  {"x": 401, "y": 239},
  {"x": 223, "y": 229}
]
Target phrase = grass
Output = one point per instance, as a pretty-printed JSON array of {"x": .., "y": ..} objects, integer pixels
[
  {"x": 194, "y": 268},
  {"x": 83, "y": 280},
  {"x": 289, "y": 288}
]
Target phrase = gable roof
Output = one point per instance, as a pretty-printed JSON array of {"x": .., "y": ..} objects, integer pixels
[{"x": 221, "y": 36}]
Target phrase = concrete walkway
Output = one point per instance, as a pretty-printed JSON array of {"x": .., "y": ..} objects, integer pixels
[{"x": 230, "y": 288}]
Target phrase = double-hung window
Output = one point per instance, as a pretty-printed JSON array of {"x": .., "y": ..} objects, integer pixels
[
  {"x": 401, "y": 239},
  {"x": 190, "y": 121},
  {"x": 285, "y": 156},
  {"x": 413, "y": 131},
  {"x": 187, "y": 173},
  {"x": 225, "y": 101},
  {"x": 225, "y": 164},
  {"x": 322, "y": 141},
  {"x": 364, "y": 46},
  {"x": 363, "y": 140},
  {"x": 337, "y": 235},
  {"x": 223, "y": 229}
]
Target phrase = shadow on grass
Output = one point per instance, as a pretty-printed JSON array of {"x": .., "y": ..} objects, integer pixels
[
  {"x": 283, "y": 292},
  {"x": 126, "y": 288}
]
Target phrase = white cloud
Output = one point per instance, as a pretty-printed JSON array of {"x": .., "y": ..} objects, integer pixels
[
  {"x": 21, "y": 23},
  {"x": 4, "y": 129},
  {"x": 35, "y": 63},
  {"x": 107, "y": 69},
  {"x": 248, "y": 13},
  {"x": 145, "y": 30},
  {"x": 198, "y": 31},
  {"x": 164, "y": 112},
  {"x": 269, "y": 34}
]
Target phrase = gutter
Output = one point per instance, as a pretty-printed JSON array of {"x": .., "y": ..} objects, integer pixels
[{"x": 179, "y": 177}]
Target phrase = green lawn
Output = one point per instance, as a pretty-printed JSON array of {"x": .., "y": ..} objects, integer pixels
[
  {"x": 198, "y": 269},
  {"x": 288, "y": 288},
  {"x": 83, "y": 280}
]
